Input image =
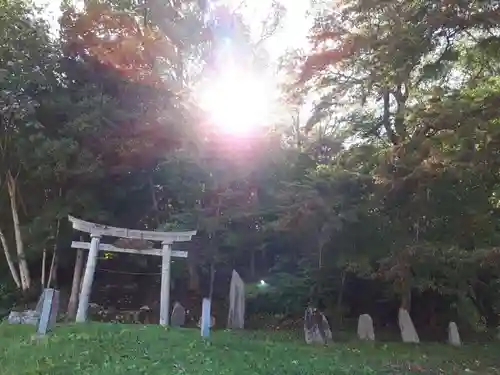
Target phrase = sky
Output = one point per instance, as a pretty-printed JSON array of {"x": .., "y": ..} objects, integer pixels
[
  {"x": 293, "y": 29},
  {"x": 291, "y": 34}
]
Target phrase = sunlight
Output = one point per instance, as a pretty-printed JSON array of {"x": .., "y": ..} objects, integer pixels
[{"x": 237, "y": 101}]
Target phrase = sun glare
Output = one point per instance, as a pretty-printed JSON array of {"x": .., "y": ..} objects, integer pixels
[{"x": 237, "y": 102}]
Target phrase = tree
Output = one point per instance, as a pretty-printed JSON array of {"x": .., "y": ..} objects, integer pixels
[
  {"x": 376, "y": 67},
  {"x": 28, "y": 72}
]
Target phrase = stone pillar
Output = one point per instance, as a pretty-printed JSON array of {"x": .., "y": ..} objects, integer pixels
[{"x": 88, "y": 279}]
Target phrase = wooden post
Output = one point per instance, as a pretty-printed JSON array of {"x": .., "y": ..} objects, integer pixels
[
  {"x": 165, "y": 283},
  {"x": 206, "y": 317},
  {"x": 88, "y": 278}
]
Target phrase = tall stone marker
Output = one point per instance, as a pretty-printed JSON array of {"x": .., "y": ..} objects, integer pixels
[
  {"x": 48, "y": 315},
  {"x": 453, "y": 335},
  {"x": 408, "y": 331},
  {"x": 316, "y": 327},
  {"x": 205, "y": 318},
  {"x": 178, "y": 317},
  {"x": 236, "y": 316},
  {"x": 365, "y": 328}
]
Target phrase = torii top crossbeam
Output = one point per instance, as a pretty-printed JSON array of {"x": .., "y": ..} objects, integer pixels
[{"x": 104, "y": 230}]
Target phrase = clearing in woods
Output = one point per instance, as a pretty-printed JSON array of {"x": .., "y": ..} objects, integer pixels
[{"x": 112, "y": 349}]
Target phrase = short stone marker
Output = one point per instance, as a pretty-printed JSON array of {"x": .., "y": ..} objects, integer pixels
[
  {"x": 365, "y": 328},
  {"x": 205, "y": 318},
  {"x": 316, "y": 327},
  {"x": 178, "y": 318},
  {"x": 50, "y": 307},
  {"x": 236, "y": 316},
  {"x": 453, "y": 335},
  {"x": 408, "y": 331}
]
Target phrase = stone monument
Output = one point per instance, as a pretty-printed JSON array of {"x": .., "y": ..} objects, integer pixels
[
  {"x": 50, "y": 308},
  {"x": 236, "y": 316},
  {"x": 178, "y": 318},
  {"x": 453, "y": 335},
  {"x": 316, "y": 327},
  {"x": 408, "y": 331},
  {"x": 365, "y": 328}
]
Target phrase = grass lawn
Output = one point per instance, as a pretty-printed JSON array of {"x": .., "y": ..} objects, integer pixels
[{"x": 108, "y": 349}]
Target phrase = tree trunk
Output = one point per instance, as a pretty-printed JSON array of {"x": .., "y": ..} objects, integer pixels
[
  {"x": 44, "y": 266},
  {"x": 323, "y": 233},
  {"x": 386, "y": 120},
  {"x": 23, "y": 263},
  {"x": 406, "y": 297},
  {"x": 399, "y": 116},
  {"x": 75, "y": 286},
  {"x": 53, "y": 265},
  {"x": 212, "y": 279},
  {"x": 52, "y": 280},
  {"x": 432, "y": 314},
  {"x": 10, "y": 262},
  {"x": 252, "y": 264},
  {"x": 340, "y": 297},
  {"x": 194, "y": 278}
]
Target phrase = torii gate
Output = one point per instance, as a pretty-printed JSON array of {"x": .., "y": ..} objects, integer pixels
[{"x": 96, "y": 231}]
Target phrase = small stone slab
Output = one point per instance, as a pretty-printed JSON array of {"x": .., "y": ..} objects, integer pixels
[
  {"x": 23, "y": 317},
  {"x": 365, "y": 328},
  {"x": 30, "y": 317},
  {"x": 178, "y": 317},
  {"x": 50, "y": 308},
  {"x": 408, "y": 331},
  {"x": 316, "y": 327},
  {"x": 453, "y": 335}
]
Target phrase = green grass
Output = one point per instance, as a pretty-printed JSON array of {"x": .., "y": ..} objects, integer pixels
[{"x": 107, "y": 349}]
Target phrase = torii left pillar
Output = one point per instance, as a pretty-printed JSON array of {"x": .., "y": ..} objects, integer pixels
[{"x": 88, "y": 279}]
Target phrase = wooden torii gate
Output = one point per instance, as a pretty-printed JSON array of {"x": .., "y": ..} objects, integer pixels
[{"x": 96, "y": 231}]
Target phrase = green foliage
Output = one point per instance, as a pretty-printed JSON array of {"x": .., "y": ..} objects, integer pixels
[
  {"x": 8, "y": 296},
  {"x": 282, "y": 293},
  {"x": 411, "y": 82}
]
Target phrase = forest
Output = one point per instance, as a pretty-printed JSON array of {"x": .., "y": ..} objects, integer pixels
[{"x": 385, "y": 195}]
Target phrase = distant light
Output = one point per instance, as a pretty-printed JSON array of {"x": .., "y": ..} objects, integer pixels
[{"x": 262, "y": 282}]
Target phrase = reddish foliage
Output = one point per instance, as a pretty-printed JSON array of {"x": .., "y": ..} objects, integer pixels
[
  {"x": 117, "y": 40},
  {"x": 324, "y": 36},
  {"x": 121, "y": 54},
  {"x": 322, "y": 59},
  {"x": 347, "y": 45},
  {"x": 319, "y": 61}
]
